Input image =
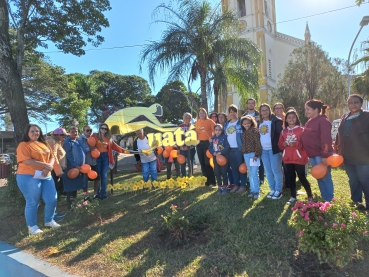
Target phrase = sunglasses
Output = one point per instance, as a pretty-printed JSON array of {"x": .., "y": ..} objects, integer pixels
[
  {"x": 103, "y": 128},
  {"x": 88, "y": 131}
]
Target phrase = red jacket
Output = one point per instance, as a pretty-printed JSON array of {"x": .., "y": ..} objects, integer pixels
[
  {"x": 111, "y": 146},
  {"x": 317, "y": 137},
  {"x": 292, "y": 154}
]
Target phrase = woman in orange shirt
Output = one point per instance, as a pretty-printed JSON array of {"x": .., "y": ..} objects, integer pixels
[
  {"x": 35, "y": 163},
  {"x": 105, "y": 145},
  {"x": 205, "y": 130}
]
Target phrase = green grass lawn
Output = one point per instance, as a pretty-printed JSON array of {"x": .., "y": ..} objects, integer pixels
[{"x": 230, "y": 235}]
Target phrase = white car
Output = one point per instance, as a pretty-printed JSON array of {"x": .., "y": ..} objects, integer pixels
[{"x": 335, "y": 124}]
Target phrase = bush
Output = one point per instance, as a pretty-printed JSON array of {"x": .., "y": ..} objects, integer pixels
[
  {"x": 176, "y": 223},
  {"x": 12, "y": 193},
  {"x": 330, "y": 230}
]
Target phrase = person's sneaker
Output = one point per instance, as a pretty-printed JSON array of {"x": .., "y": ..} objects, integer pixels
[
  {"x": 271, "y": 194},
  {"x": 242, "y": 189},
  {"x": 86, "y": 198},
  {"x": 230, "y": 186},
  {"x": 235, "y": 188},
  {"x": 58, "y": 219},
  {"x": 251, "y": 195},
  {"x": 34, "y": 230},
  {"x": 292, "y": 200},
  {"x": 52, "y": 224},
  {"x": 277, "y": 195},
  {"x": 96, "y": 196},
  {"x": 256, "y": 195}
]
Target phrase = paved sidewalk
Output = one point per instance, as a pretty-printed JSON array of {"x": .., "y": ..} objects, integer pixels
[{"x": 16, "y": 263}]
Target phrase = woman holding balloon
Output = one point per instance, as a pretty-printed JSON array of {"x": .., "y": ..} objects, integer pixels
[
  {"x": 72, "y": 178},
  {"x": 317, "y": 141},
  {"x": 219, "y": 148}
]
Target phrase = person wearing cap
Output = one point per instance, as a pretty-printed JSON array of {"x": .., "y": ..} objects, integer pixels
[
  {"x": 87, "y": 131},
  {"x": 55, "y": 142}
]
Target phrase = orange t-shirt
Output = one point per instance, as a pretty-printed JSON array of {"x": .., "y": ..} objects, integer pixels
[
  {"x": 102, "y": 146},
  {"x": 204, "y": 129},
  {"x": 32, "y": 150}
]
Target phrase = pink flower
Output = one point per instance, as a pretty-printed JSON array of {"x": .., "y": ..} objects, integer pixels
[
  {"x": 302, "y": 214},
  {"x": 334, "y": 225},
  {"x": 79, "y": 205},
  {"x": 343, "y": 225},
  {"x": 365, "y": 232},
  {"x": 354, "y": 214},
  {"x": 320, "y": 217},
  {"x": 325, "y": 224},
  {"x": 84, "y": 203},
  {"x": 173, "y": 207}
]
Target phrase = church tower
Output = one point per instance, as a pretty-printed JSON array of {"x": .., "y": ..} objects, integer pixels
[
  {"x": 307, "y": 34},
  {"x": 258, "y": 23}
]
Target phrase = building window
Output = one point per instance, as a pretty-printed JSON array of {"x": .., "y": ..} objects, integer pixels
[
  {"x": 241, "y": 8},
  {"x": 270, "y": 29},
  {"x": 270, "y": 68}
]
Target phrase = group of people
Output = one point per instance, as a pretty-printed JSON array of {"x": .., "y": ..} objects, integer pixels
[
  {"x": 269, "y": 140},
  {"x": 44, "y": 163}
]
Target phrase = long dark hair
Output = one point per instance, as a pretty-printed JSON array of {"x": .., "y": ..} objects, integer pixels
[
  {"x": 249, "y": 118},
  {"x": 107, "y": 134},
  {"x": 317, "y": 104},
  {"x": 270, "y": 112},
  {"x": 291, "y": 111},
  {"x": 26, "y": 138}
]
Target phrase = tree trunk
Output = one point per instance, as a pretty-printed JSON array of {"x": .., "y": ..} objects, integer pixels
[
  {"x": 216, "y": 95},
  {"x": 10, "y": 79},
  {"x": 204, "y": 98}
]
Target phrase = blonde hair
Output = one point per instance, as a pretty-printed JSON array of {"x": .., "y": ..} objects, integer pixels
[{"x": 186, "y": 114}]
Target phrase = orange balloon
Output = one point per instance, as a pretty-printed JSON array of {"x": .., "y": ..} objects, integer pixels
[
  {"x": 335, "y": 160},
  {"x": 166, "y": 154},
  {"x": 168, "y": 148},
  {"x": 85, "y": 168},
  {"x": 221, "y": 160},
  {"x": 181, "y": 159},
  {"x": 208, "y": 154},
  {"x": 211, "y": 161},
  {"x": 160, "y": 150},
  {"x": 92, "y": 174},
  {"x": 174, "y": 154},
  {"x": 319, "y": 171},
  {"x": 91, "y": 141},
  {"x": 73, "y": 173},
  {"x": 242, "y": 168},
  {"x": 95, "y": 153}
]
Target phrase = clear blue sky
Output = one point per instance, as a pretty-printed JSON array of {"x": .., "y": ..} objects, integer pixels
[{"x": 130, "y": 24}]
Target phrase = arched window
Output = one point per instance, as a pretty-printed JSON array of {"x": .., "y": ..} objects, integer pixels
[{"x": 241, "y": 8}]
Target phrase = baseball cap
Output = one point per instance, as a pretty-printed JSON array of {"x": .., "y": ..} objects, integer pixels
[{"x": 60, "y": 131}]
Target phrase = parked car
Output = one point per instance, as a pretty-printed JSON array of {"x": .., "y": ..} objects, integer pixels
[{"x": 335, "y": 124}]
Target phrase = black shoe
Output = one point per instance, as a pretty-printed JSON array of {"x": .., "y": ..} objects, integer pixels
[
  {"x": 103, "y": 197},
  {"x": 96, "y": 196},
  {"x": 86, "y": 198}
]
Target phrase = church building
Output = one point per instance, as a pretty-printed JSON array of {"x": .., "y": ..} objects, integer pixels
[{"x": 258, "y": 23}]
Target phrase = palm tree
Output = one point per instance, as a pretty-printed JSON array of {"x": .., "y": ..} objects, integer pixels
[{"x": 197, "y": 38}]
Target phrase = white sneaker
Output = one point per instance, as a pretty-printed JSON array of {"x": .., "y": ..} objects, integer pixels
[
  {"x": 34, "y": 230},
  {"x": 271, "y": 194},
  {"x": 277, "y": 195},
  {"x": 52, "y": 224},
  {"x": 292, "y": 200}
]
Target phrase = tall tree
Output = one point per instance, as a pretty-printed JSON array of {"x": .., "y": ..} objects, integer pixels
[
  {"x": 69, "y": 24},
  {"x": 196, "y": 35},
  {"x": 110, "y": 92},
  {"x": 312, "y": 74},
  {"x": 173, "y": 97}
]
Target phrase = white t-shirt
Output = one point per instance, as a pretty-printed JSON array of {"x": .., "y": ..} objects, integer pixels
[
  {"x": 232, "y": 134},
  {"x": 143, "y": 144},
  {"x": 265, "y": 136}
]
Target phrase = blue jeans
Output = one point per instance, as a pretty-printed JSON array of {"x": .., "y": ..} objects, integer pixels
[
  {"x": 235, "y": 160},
  {"x": 253, "y": 173},
  {"x": 359, "y": 182},
  {"x": 189, "y": 160},
  {"x": 273, "y": 169},
  {"x": 102, "y": 164},
  {"x": 33, "y": 190},
  {"x": 325, "y": 184},
  {"x": 149, "y": 168}
]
